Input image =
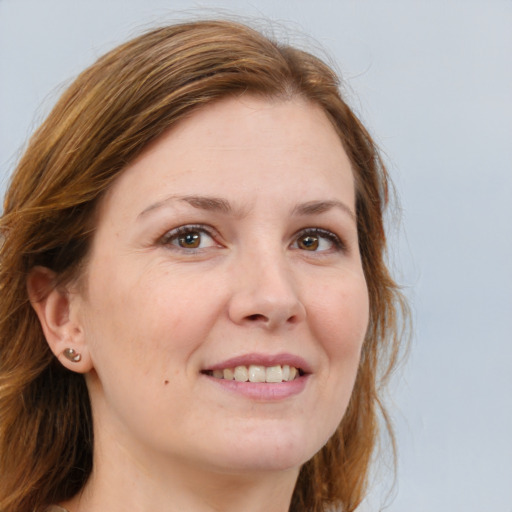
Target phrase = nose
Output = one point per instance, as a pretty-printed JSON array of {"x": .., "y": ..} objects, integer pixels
[{"x": 265, "y": 294}]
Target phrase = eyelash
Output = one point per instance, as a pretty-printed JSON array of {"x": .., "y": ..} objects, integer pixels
[
  {"x": 322, "y": 233},
  {"x": 182, "y": 231}
]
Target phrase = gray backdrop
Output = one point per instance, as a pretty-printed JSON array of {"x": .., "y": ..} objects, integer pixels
[{"x": 433, "y": 82}]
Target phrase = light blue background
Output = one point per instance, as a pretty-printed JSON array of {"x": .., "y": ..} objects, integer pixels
[{"x": 433, "y": 82}]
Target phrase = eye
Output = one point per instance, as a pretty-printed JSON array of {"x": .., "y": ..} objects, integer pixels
[
  {"x": 189, "y": 237},
  {"x": 317, "y": 240}
]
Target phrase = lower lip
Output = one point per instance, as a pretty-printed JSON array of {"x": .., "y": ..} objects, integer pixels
[{"x": 262, "y": 391}]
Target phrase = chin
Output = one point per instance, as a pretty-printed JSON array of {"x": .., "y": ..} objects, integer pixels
[
  {"x": 271, "y": 451},
  {"x": 264, "y": 462}
]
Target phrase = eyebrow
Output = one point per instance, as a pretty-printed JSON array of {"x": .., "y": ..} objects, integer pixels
[
  {"x": 316, "y": 207},
  {"x": 212, "y": 204},
  {"x": 217, "y": 204}
]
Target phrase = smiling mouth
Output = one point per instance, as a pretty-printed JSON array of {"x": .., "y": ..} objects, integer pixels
[{"x": 257, "y": 373}]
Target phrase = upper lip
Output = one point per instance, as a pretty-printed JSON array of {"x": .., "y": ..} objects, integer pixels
[{"x": 263, "y": 360}]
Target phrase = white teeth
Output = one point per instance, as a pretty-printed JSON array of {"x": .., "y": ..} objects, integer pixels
[
  {"x": 275, "y": 374},
  {"x": 258, "y": 373},
  {"x": 241, "y": 374},
  {"x": 228, "y": 374}
]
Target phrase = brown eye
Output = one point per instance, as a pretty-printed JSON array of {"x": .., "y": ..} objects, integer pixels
[
  {"x": 318, "y": 240},
  {"x": 190, "y": 240},
  {"x": 308, "y": 243}
]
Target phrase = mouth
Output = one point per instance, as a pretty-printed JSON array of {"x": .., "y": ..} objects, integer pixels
[
  {"x": 257, "y": 373},
  {"x": 261, "y": 377}
]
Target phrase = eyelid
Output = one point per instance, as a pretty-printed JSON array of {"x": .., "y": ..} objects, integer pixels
[
  {"x": 338, "y": 243},
  {"x": 335, "y": 239},
  {"x": 169, "y": 235}
]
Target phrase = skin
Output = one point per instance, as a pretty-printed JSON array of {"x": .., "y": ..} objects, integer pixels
[{"x": 154, "y": 313}]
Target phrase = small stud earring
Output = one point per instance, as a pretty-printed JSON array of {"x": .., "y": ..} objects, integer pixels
[{"x": 72, "y": 355}]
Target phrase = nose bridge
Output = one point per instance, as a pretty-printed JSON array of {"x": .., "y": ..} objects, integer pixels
[{"x": 265, "y": 290}]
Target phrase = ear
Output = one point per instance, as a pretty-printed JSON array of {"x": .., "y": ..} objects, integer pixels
[{"x": 56, "y": 308}]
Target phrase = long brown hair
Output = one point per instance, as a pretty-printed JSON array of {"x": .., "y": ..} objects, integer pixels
[{"x": 102, "y": 122}]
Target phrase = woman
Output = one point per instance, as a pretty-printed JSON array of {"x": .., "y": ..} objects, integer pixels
[{"x": 196, "y": 313}]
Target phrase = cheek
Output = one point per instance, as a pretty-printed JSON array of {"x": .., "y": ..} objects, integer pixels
[
  {"x": 151, "y": 323},
  {"x": 341, "y": 315},
  {"x": 339, "y": 319}
]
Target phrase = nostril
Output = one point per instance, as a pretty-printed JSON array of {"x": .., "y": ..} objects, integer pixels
[{"x": 256, "y": 317}]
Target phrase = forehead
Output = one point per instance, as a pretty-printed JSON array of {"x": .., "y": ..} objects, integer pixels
[{"x": 247, "y": 147}]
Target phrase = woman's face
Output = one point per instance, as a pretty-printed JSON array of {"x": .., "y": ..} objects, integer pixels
[{"x": 228, "y": 250}]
